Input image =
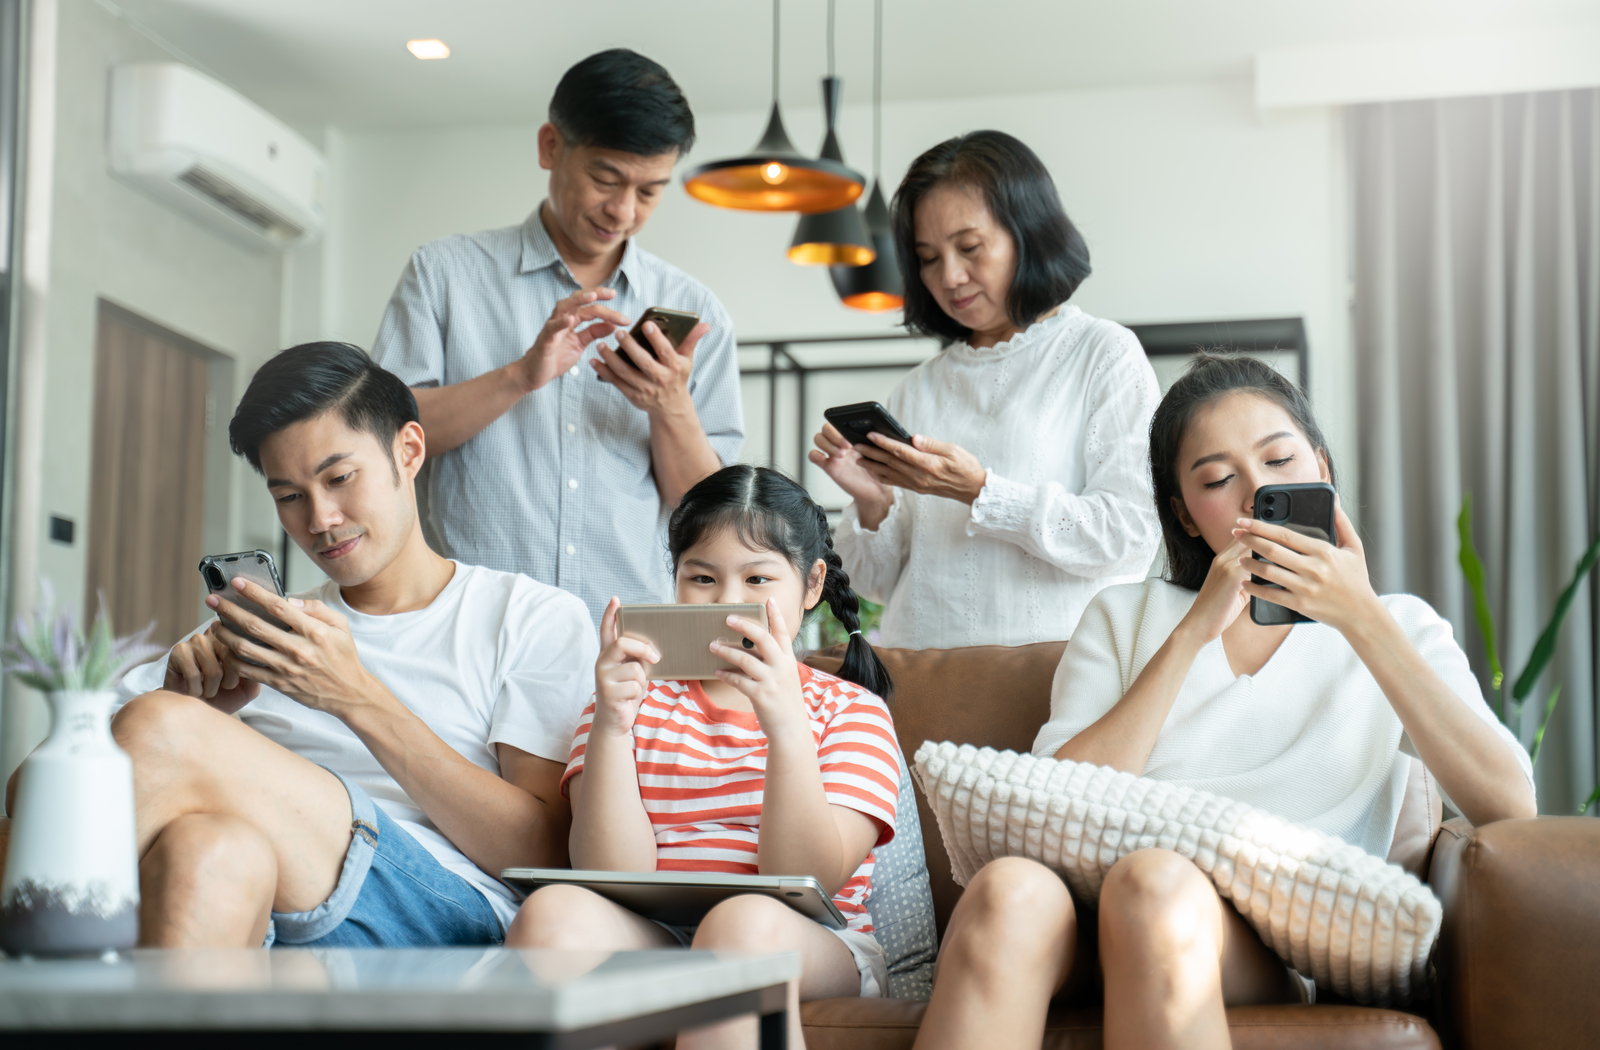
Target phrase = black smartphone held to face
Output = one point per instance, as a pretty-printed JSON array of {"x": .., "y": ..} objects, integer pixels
[
  {"x": 674, "y": 324},
  {"x": 855, "y": 422},
  {"x": 1307, "y": 509},
  {"x": 218, "y": 571}
]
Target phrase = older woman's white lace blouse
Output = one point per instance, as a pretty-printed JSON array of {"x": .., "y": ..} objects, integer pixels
[{"x": 1059, "y": 417}]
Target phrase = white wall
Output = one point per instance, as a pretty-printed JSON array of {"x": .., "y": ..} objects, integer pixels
[
  {"x": 1194, "y": 207},
  {"x": 111, "y": 241}
]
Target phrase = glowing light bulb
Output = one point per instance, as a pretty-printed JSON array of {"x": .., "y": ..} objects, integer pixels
[
  {"x": 426, "y": 49},
  {"x": 774, "y": 172}
]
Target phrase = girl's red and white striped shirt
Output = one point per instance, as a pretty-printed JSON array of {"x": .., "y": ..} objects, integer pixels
[{"x": 702, "y": 770}]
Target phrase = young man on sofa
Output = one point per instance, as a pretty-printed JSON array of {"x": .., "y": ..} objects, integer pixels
[{"x": 399, "y": 743}]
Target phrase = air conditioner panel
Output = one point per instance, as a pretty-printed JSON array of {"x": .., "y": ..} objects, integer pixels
[{"x": 168, "y": 120}]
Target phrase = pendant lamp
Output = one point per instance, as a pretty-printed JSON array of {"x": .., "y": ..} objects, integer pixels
[
  {"x": 774, "y": 176},
  {"x": 876, "y": 287},
  {"x": 839, "y": 236}
]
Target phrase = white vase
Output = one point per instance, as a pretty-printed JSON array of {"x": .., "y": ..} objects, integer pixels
[{"x": 72, "y": 868}]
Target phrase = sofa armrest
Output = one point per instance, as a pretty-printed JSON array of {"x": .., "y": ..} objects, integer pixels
[{"x": 1520, "y": 943}]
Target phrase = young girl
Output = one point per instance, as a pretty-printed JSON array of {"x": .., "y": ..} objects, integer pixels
[
  {"x": 773, "y": 769},
  {"x": 1171, "y": 679}
]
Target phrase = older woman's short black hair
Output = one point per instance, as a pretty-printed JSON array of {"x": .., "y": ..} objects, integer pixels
[{"x": 1052, "y": 256}]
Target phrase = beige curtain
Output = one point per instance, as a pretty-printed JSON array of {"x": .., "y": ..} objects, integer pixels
[{"x": 1477, "y": 279}]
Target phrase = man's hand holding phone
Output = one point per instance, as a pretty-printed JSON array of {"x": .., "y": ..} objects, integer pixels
[
  {"x": 201, "y": 666},
  {"x": 315, "y": 662},
  {"x": 576, "y": 321},
  {"x": 656, "y": 380}
]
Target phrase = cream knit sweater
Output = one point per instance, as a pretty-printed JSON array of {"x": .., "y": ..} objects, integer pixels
[
  {"x": 1310, "y": 737},
  {"x": 1059, "y": 416}
]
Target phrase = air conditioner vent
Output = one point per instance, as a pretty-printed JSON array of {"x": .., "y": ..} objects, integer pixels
[
  {"x": 202, "y": 147},
  {"x": 240, "y": 204}
]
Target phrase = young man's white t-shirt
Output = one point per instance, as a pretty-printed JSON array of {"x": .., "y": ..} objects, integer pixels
[{"x": 495, "y": 658}]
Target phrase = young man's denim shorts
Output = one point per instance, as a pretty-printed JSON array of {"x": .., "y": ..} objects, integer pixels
[{"x": 392, "y": 893}]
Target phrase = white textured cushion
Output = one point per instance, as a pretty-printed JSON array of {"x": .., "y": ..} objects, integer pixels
[{"x": 1352, "y": 922}]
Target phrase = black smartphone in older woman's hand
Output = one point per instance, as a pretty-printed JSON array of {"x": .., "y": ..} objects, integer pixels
[
  {"x": 855, "y": 422},
  {"x": 1307, "y": 509}
]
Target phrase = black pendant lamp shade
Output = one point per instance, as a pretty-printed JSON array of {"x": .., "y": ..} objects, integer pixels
[
  {"x": 838, "y": 236},
  {"x": 774, "y": 176},
  {"x": 877, "y": 286}
]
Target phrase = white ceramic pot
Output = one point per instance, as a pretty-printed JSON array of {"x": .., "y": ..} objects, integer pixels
[{"x": 72, "y": 868}]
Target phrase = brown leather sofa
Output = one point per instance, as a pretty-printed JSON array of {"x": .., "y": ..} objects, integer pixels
[{"x": 1518, "y": 959}]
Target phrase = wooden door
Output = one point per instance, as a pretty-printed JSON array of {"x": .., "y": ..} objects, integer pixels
[{"x": 147, "y": 505}]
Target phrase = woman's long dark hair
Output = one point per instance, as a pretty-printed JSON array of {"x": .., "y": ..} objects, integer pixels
[
  {"x": 1210, "y": 376},
  {"x": 772, "y": 512},
  {"x": 1052, "y": 256}
]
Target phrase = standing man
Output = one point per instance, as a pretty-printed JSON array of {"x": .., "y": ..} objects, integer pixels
[{"x": 549, "y": 453}]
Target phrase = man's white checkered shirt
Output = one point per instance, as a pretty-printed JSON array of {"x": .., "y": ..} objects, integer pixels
[{"x": 560, "y": 487}]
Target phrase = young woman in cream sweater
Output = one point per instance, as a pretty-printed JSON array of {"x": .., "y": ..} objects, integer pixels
[{"x": 1171, "y": 679}]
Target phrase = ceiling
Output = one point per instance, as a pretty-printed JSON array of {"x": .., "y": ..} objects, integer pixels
[{"x": 343, "y": 62}]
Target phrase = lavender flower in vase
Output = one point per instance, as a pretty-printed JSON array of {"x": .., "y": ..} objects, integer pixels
[{"x": 71, "y": 883}]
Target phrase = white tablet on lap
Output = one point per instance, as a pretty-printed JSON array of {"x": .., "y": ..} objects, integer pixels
[{"x": 682, "y": 898}]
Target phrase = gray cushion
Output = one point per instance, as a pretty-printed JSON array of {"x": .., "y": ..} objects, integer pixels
[{"x": 901, "y": 902}]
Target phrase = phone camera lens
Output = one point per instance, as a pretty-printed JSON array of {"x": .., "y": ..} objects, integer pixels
[
  {"x": 748, "y": 644},
  {"x": 214, "y": 578}
]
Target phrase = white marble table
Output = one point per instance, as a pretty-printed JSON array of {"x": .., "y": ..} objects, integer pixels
[{"x": 286, "y": 997}]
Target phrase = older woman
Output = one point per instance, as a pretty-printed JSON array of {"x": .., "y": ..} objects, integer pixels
[{"x": 1024, "y": 491}]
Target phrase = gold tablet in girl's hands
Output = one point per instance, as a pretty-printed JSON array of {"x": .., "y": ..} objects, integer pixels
[{"x": 683, "y": 634}]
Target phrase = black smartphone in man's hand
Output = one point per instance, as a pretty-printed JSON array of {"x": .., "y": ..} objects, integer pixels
[
  {"x": 855, "y": 422},
  {"x": 674, "y": 324}
]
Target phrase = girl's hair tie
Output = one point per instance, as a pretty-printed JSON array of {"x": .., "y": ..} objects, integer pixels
[{"x": 852, "y": 634}]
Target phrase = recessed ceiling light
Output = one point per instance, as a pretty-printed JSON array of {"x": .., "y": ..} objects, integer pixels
[{"x": 428, "y": 48}]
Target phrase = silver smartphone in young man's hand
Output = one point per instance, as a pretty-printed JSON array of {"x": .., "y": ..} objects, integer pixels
[
  {"x": 218, "y": 571},
  {"x": 683, "y": 634}
]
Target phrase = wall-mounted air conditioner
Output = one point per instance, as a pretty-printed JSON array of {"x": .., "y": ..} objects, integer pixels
[{"x": 212, "y": 152}]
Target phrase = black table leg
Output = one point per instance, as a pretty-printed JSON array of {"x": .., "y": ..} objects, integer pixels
[{"x": 775, "y": 1030}]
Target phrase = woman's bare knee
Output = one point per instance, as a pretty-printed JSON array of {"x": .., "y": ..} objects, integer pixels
[
  {"x": 1013, "y": 888},
  {"x": 1015, "y": 919},
  {"x": 1157, "y": 895}
]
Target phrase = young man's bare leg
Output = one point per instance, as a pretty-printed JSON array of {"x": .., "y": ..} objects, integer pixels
[
  {"x": 206, "y": 881},
  {"x": 1008, "y": 948},
  {"x": 1174, "y": 954},
  {"x": 191, "y": 760}
]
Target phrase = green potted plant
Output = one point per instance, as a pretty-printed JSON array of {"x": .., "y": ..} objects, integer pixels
[{"x": 1543, "y": 649}]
